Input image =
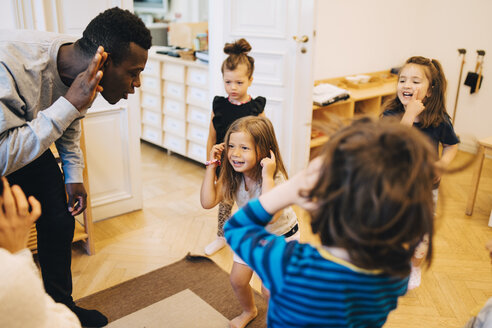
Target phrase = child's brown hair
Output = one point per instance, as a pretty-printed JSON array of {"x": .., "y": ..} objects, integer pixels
[
  {"x": 238, "y": 55},
  {"x": 263, "y": 134},
  {"x": 375, "y": 194},
  {"x": 435, "y": 103}
]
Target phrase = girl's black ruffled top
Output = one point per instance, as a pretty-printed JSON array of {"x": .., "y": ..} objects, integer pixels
[{"x": 225, "y": 113}]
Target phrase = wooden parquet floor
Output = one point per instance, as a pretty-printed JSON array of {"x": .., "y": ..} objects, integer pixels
[{"x": 172, "y": 223}]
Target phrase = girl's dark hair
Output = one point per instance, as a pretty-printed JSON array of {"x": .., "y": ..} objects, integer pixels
[
  {"x": 435, "y": 104},
  {"x": 114, "y": 29},
  {"x": 238, "y": 55},
  {"x": 263, "y": 134},
  {"x": 375, "y": 194}
]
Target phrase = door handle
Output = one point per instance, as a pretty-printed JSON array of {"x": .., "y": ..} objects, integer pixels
[{"x": 302, "y": 39}]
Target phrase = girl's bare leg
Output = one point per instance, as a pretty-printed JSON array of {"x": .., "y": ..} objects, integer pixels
[
  {"x": 223, "y": 215},
  {"x": 240, "y": 277}
]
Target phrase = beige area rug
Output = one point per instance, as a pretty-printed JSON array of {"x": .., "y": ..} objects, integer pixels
[
  {"x": 182, "y": 310},
  {"x": 192, "y": 292}
]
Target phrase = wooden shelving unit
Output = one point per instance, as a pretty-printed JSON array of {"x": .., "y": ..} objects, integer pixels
[{"x": 365, "y": 99}]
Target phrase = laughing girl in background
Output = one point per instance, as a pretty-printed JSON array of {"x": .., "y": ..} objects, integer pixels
[{"x": 420, "y": 102}]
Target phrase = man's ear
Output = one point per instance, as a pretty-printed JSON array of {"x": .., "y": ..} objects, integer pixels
[{"x": 106, "y": 63}]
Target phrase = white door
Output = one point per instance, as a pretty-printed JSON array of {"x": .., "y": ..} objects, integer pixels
[
  {"x": 283, "y": 66},
  {"x": 111, "y": 131}
]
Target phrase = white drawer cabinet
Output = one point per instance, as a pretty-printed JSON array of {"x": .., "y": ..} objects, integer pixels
[
  {"x": 175, "y": 126},
  {"x": 197, "y": 77},
  {"x": 175, "y": 108},
  {"x": 150, "y": 101},
  {"x": 152, "y": 134},
  {"x": 151, "y": 84},
  {"x": 152, "y": 68},
  {"x": 197, "y": 152},
  {"x": 174, "y": 90},
  {"x": 197, "y": 134},
  {"x": 152, "y": 118},
  {"x": 198, "y": 116},
  {"x": 175, "y": 143},
  {"x": 197, "y": 96},
  {"x": 175, "y": 105},
  {"x": 173, "y": 72}
]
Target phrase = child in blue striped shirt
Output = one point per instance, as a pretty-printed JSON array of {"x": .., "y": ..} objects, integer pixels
[{"x": 370, "y": 197}]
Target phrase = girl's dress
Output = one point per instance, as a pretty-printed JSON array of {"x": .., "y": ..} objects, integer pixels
[{"x": 225, "y": 113}]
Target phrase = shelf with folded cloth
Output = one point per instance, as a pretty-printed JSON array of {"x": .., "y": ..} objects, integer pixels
[{"x": 340, "y": 97}]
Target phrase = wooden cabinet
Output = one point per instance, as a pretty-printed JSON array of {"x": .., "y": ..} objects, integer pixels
[
  {"x": 175, "y": 105},
  {"x": 365, "y": 99}
]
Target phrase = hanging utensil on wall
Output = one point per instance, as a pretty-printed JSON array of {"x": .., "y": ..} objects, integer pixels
[
  {"x": 462, "y": 53},
  {"x": 474, "y": 79}
]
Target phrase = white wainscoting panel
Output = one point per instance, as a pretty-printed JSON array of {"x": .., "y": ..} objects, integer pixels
[
  {"x": 74, "y": 15},
  {"x": 108, "y": 159},
  {"x": 258, "y": 18},
  {"x": 269, "y": 68},
  {"x": 273, "y": 110}
]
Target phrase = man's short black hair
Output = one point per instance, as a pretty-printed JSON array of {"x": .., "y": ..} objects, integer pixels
[{"x": 114, "y": 29}]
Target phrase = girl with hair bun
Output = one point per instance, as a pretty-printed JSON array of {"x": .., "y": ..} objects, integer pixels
[{"x": 237, "y": 71}]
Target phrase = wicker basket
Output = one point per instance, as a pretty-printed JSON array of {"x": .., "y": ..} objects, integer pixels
[{"x": 187, "y": 54}]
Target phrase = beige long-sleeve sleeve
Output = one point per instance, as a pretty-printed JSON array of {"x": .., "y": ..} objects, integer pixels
[{"x": 23, "y": 300}]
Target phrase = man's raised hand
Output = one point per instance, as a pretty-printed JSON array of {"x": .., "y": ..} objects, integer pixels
[{"x": 84, "y": 88}]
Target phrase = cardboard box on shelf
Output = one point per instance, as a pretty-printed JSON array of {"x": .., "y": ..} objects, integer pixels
[{"x": 184, "y": 34}]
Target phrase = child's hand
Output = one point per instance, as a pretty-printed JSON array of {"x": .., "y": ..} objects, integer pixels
[
  {"x": 16, "y": 218},
  {"x": 288, "y": 193},
  {"x": 488, "y": 247},
  {"x": 415, "y": 106},
  {"x": 268, "y": 165},
  {"x": 304, "y": 181},
  {"x": 437, "y": 176},
  {"x": 216, "y": 151}
]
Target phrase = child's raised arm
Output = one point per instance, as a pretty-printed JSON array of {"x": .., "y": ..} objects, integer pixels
[
  {"x": 267, "y": 172},
  {"x": 448, "y": 154},
  {"x": 288, "y": 193},
  {"x": 210, "y": 192}
]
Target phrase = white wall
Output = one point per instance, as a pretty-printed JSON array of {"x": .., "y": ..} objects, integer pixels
[
  {"x": 358, "y": 36},
  {"x": 189, "y": 11},
  {"x": 7, "y": 15}
]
